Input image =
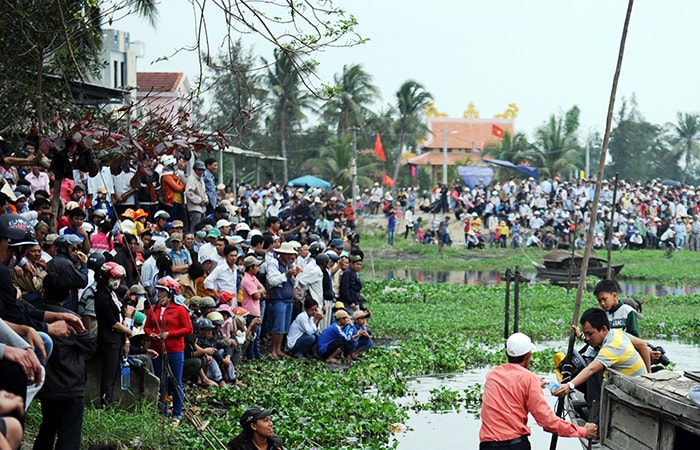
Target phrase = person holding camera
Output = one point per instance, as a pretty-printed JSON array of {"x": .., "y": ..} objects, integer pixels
[{"x": 615, "y": 349}]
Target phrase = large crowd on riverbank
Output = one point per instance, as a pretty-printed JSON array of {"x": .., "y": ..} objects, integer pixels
[
  {"x": 161, "y": 271},
  {"x": 160, "y": 252},
  {"x": 549, "y": 214}
]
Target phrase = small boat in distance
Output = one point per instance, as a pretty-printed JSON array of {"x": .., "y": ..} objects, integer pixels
[{"x": 558, "y": 268}]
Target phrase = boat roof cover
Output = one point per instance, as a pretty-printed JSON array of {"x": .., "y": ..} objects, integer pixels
[{"x": 558, "y": 256}]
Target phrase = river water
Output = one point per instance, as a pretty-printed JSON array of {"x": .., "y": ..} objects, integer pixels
[
  {"x": 449, "y": 430},
  {"x": 490, "y": 278}
]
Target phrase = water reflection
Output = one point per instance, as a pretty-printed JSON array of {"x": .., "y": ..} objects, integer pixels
[
  {"x": 436, "y": 431},
  {"x": 492, "y": 277}
]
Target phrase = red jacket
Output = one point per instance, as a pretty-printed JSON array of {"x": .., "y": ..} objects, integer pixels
[
  {"x": 176, "y": 321},
  {"x": 171, "y": 185}
]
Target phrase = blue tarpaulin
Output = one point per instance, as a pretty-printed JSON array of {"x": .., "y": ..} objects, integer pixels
[
  {"x": 310, "y": 180},
  {"x": 527, "y": 170},
  {"x": 473, "y": 175}
]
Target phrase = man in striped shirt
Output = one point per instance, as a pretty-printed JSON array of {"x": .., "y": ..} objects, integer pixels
[{"x": 616, "y": 349}]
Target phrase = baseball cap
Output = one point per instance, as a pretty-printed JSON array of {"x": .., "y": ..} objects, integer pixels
[
  {"x": 251, "y": 261},
  {"x": 223, "y": 223},
  {"x": 250, "y": 415},
  {"x": 359, "y": 315},
  {"x": 159, "y": 246},
  {"x": 341, "y": 314},
  {"x": 519, "y": 344}
]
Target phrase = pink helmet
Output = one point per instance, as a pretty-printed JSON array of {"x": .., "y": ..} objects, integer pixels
[
  {"x": 170, "y": 284},
  {"x": 113, "y": 270}
]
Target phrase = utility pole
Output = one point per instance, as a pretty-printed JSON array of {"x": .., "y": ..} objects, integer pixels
[
  {"x": 444, "y": 154},
  {"x": 353, "y": 167}
]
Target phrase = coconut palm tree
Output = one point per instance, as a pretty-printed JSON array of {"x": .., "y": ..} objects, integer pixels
[
  {"x": 349, "y": 107},
  {"x": 556, "y": 146},
  {"x": 685, "y": 133},
  {"x": 333, "y": 163},
  {"x": 410, "y": 126},
  {"x": 289, "y": 100}
]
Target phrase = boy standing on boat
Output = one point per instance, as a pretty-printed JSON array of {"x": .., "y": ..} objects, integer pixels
[
  {"x": 620, "y": 315},
  {"x": 616, "y": 349},
  {"x": 511, "y": 392}
]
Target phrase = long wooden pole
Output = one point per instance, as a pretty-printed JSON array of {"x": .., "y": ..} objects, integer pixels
[
  {"x": 609, "y": 234},
  {"x": 594, "y": 206}
]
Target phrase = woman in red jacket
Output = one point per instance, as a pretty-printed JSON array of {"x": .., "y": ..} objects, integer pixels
[{"x": 168, "y": 323}]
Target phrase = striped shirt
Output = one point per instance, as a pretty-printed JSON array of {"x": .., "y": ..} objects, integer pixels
[{"x": 618, "y": 352}]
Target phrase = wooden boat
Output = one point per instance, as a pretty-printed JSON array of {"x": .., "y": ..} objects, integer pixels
[
  {"x": 557, "y": 267},
  {"x": 650, "y": 412}
]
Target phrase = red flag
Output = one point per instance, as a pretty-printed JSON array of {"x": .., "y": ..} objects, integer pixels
[
  {"x": 378, "y": 149},
  {"x": 497, "y": 131},
  {"x": 414, "y": 170},
  {"x": 387, "y": 181}
]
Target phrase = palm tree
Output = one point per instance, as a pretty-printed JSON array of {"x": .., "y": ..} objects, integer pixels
[
  {"x": 685, "y": 135},
  {"x": 514, "y": 148},
  {"x": 283, "y": 79},
  {"x": 411, "y": 100},
  {"x": 556, "y": 147},
  {"x": 333, "y": 163},
  {"x": 349, "y": 107}
]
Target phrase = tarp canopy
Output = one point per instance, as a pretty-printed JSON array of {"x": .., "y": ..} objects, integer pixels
[
  {"x": 527, "y": 170},
  {"x": 473, "y": 175},
  {"x": 310, "y": 180}
]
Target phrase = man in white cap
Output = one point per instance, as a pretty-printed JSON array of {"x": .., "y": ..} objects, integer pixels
[{"x": 511, "y": 392}]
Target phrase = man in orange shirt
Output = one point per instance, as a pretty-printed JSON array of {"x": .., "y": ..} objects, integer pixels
[{"x": 511, "y": 392}]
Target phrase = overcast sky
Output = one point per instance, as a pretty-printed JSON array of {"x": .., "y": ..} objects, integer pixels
[{"x": 543, "y": 55}]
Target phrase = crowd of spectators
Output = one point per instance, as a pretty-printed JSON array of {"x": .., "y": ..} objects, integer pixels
[
  {"x": 548, "y": 214},
  {"x": 168, "y": 272}
]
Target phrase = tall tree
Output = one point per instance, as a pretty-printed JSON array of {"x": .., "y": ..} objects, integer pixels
[
  {"x": 637, "y": 147},
  {"x": 684, "y": 138},
  {"x": 288, "y": 99},
  {"x": 556, "y": 144},
  {"x": 349, "y": 107},
  {"x": 238, "y": 96},
  {"x": 410, "y": 126}
]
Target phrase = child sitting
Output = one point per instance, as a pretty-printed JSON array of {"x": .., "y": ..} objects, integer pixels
[{"x": 362, "y": 333}]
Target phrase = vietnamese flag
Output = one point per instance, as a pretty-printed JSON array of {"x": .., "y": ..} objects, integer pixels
[
  {"x": 387, "y": 181},
  {"x": 378, "y": 149},
  {"x": 497, "y": 131}
]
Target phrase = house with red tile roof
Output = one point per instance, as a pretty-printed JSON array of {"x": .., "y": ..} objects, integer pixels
[
  {"x": 465, "y": 140},
  {"x": 164, "y": 92}
]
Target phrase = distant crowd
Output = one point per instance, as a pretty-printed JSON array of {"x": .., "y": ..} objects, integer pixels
[{"x": 548, "y": 214}]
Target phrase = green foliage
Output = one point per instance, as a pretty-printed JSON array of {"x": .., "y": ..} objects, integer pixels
[
  {"x": 419, "y": 329},
  {"x": 556, "y": 147},
  {"x": 685, "y": 134},
  {"x": 350, "y": 108}
]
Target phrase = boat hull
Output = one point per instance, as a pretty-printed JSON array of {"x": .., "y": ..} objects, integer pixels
[{"x": 562, "y": 275}]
